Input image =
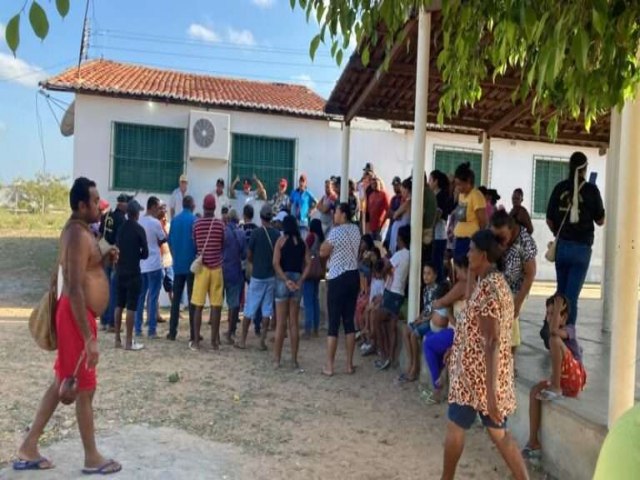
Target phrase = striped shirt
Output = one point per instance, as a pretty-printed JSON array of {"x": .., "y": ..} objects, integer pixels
[{"x": 212, "y": 257}]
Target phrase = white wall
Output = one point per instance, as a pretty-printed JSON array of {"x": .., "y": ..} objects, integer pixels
[{"x": 318, "y": 155}]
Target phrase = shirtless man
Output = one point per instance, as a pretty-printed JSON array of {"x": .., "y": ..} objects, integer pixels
[{"x": 85, "y": 295}]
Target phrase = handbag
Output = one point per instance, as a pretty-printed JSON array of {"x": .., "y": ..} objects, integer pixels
[
  {"x": 68, "y": 390},
  {"x": 317, "y": 268},
  {"x": 198, "y": 264},
  {"x": 552, "y": 246}
]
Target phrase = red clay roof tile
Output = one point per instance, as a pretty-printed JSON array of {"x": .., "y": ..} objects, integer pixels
[{"x": 111, "y": 78}]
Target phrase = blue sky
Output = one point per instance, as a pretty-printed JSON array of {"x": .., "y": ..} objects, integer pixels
[{"x": 257, "y": 39}]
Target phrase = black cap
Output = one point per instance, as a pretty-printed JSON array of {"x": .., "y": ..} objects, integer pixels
[
  {"x": 368, "y": 167},
  {"x": 396, "y": 181},
  {"x": 133, "y": 207},
  {"x": 124, "y": 198},
  {"x": 220, "y": 181}
]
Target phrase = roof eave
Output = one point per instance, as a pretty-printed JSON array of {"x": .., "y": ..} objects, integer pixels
[{"x": 308, "y": 114}]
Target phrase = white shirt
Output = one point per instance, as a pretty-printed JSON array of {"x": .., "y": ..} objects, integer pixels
[
  {"x": 377, "y": 288},
  {"x": 175, "y": 202},
  {"x": 400, "y": 262},
  {"x": 222, "y": 201},
  {"x": 345, "y": 240},
  {"x": 241, "y": 200},
  {"x": 155, "y": 235}
]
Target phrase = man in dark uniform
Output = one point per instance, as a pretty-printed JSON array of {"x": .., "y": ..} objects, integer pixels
[{"x": 109, "y": 226}]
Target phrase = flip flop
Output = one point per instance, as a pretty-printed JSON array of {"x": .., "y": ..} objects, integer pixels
[
  {"x": 32, "y": 464},
  {"x": 548, "y": 395},
  {"x": 325, "y": 373},
  {"x": 532, "y": 453},
  {"x": 103, "y": 469}
]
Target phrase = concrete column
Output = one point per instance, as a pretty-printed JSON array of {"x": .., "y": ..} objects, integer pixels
[
  {"x": 486, "y": 155},
  {"x": 344, "y": 173},
  {"x": 419, "y": 147},
  {"x": 626, "y": 265},
  {"x": 611, "y": 188}
]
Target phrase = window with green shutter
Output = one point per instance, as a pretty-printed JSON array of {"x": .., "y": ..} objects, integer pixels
[
  {"x": 146, "y": 158},
  {"x": 547, "y": 173},
  {"x": 269, "y": 158},
  {"x": 448, "y": 159}
]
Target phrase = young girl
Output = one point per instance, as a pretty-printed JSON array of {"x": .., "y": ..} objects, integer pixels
[
  {"x": 438, "y": 342},
  {"x": 429, "y": 320},
  {"x": 367, "y": 258},
  {"x": 376, "y": 291}
]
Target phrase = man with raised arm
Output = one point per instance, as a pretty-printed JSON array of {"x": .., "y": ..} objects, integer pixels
[{"x": 84, "y": 296}]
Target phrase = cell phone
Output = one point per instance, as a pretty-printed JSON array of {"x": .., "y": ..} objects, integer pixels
[{"x": 593, "y": 176}]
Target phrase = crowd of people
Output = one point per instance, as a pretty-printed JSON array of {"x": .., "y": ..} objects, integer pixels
[{"x": 266, "y": 259}]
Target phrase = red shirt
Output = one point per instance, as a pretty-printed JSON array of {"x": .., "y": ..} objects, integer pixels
[
  {"x": 212, "y": 256},
  {"x": 377, "y": 206}
]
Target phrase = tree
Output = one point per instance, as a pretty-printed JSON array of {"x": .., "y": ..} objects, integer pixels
[
  {"x": 580, "y": 56},
  {"x": 44, "y": 192}
]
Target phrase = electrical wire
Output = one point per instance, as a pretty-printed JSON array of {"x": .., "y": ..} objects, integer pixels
[
  {"x": 209, "y": 57},
  {"x": 41, "y": 136},
  {"x": 145, "y": 37}
]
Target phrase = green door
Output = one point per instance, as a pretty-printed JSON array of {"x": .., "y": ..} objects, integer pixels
[{"x": 269, "y": 158}]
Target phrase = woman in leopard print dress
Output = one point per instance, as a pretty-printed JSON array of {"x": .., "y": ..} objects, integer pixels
[{"x": 481, "y": 363}]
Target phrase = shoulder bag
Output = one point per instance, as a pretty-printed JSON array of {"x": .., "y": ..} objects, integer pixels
[
  {"x": 317, "y": 269},
  {"x": 552, "y": 246},
  {"x": 198, "y": 263}
]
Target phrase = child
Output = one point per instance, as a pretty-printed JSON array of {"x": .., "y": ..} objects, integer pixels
[
  {"x": 568, "y": 376},
  {"x": 376, "y": 292},
  {"x": 385, "y": 319},
  {"x": 430, "y": 320},
  {"x": 368, "y": 259},
  {"x": 438, "y": 342}
]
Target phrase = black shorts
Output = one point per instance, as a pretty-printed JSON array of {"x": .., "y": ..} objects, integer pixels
[{"x": 128, "y": 288}]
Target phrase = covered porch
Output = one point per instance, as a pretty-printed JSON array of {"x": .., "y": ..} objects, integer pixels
[{"x": 406, "y": 94}]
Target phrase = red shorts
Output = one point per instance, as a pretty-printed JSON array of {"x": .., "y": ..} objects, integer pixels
[
  {"x": 573, "y": 376},
  {"x": 71, "y": 346}
]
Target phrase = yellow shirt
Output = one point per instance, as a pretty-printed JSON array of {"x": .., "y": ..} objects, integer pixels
[{"x": 467, "y": 221}]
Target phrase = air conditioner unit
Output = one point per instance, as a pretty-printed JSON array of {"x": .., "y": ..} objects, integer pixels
[{"x": 209, "y": 135}]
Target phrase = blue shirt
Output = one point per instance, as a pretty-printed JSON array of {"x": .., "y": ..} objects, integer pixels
[
  {"x": 301, "y": 203},
  {"x": 235, "y": 250},
  {"x": 183, "y": 249}
]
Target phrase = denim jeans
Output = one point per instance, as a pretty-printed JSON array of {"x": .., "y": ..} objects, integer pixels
[
  {"x": 108, "y": 317},
  {"x": 311, "y": 302},
  {"x": 179, "y": 282},
  {"x": 572, "y": 263},
  {"x": 151, "y": 285}
]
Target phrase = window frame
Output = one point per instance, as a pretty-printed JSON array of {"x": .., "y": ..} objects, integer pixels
[
  {"x": 270, "y": 189},
  {"x": 112, "y": 166},
  {"x": 544, "y": 158},
  {"x": 449, "y": 148}
]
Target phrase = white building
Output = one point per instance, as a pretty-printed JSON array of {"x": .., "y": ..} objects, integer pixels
[{"x": 133, "y": 131}]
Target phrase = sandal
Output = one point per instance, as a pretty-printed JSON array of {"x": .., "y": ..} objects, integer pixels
[
  {"x": 532, "y": 453},
  {"x": 109, "y": 467},
  {"x": 21, "y": 465},
  {"x": 547, "y": 395}
]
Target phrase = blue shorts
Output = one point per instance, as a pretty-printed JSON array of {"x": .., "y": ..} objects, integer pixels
[
  {"x": 259, "y": 297},
  {"x": 392, "y": 302},
  {"x": 420, "y": 329},
  {"x": 232, "y": 293},
  {"x": 465, "y": 415},
  {"x": 283, "y": 293}
]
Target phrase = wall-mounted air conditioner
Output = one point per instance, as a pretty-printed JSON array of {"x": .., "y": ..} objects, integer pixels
[{"x": 209, "y": 135}]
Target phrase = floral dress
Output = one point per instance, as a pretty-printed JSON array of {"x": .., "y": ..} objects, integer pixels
[{"x": 467, "y": 365}]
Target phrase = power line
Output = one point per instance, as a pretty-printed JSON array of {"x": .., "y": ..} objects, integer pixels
[
  {"x": 41, "y": 136},
  {"x": 210, "y": 57},
  {"x": 143, "y": 37}
]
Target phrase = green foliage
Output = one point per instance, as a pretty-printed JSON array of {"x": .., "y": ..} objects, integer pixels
[
  {"x": 41, "y": 194},
  {"x": 577, "y": 56},
  {"x": 38, "y": 19}
]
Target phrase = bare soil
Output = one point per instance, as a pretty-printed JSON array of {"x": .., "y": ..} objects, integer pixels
[{"x": 277, "y": 423}]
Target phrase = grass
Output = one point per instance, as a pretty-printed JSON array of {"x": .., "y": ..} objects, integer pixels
[{"x": 31, "y": 222}]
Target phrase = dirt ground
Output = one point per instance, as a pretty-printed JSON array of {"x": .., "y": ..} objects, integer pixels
[{"x": 279, "y": 424}]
